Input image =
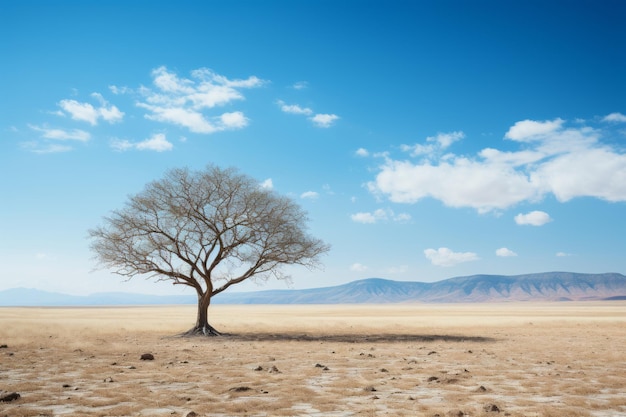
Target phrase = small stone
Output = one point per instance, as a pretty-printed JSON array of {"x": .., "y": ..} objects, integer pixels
[
  {"x": 10, "y": 397},
  {"x": 258, "y": 368},
  {"x": 491, "y": 408},
  {"x": 433, "y": 378},
  {"x": 3, "y": 346},
  {"x": 240, "y": 389},
  {"x": 274, "y": 370},
  {"x": 147, "y": 357},
  {"x": 192, "y": 414}
]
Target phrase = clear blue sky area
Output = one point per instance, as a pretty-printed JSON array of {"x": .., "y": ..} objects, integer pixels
[{"x": 425, "y": 139}]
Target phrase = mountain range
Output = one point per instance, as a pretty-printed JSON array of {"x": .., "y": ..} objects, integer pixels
[{"x": 548, "y": 286}]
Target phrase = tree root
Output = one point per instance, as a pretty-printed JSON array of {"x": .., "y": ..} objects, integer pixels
[{"x": 206, "y": 330}]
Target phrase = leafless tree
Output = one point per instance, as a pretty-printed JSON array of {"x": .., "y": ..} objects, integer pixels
[{"x": 207, "y": 229}]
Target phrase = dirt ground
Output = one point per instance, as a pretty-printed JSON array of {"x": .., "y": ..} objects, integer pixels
[{"x": 519, "y": 359}]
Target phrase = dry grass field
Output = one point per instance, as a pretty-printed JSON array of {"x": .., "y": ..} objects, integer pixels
[{"x": 521, "y": 359}]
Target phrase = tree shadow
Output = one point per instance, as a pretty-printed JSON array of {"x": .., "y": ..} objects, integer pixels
[{"x": 353, "y": 338}]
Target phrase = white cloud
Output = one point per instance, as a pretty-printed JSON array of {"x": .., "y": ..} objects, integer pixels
[
  {"x": 319, "y": 120},
  {"x": 158, "y": 143},
  {"x": 563, "y": 254},
  {"x": 268, "y": 184},
  {"x": 505, "y": 252},
  {"x": 39, "y": 148},
  {"x": 444, "y": 140},
  {"x": 362, "y": 152},
  {"x": 311, "y": 195},
  {"x": 80, "y": 111},
  {"x": 564, "y": 162},
  {"x": 294, "y": 108},
  {"x": 367, "y": 218},
  {"x": 234, "y": 120},
  {"x": 119, "y": 90},
  {"x": 300, "y": 85},
  {"x": 446, "y": 257},
  {"x": 121, "y": 145},
  {"x": 534, "y": 218},
  {"x": 615, "y": 118},
  {"x": 183, "y": 102},
  {"x": 380, "y": 215},
  {"x": 402, "y": 218},
  {"x": 529, "y": 129},
  {"x": 357, "y": 267},
  {"x": 460, "y": 183},
  {"x": 435, "y": 144},
  {"x": 324, "y": 120},
  {"x": 62, "y": 134},
  {"x": 88, "y": 113}
]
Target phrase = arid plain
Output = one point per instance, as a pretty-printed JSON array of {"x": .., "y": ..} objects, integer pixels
[{"x": 515, "y": 359}]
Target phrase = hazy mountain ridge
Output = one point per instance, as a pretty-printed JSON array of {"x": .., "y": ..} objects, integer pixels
[{"x": 548, "y": 286}]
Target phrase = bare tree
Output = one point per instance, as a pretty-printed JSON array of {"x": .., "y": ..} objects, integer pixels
[{"x": 209, "y": 230}]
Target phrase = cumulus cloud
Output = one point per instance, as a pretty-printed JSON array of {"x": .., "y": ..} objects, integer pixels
[
  {"x": 446, "y": 257},
  {"x": 357, "y": 267},
  {"x": 324, "y": 120},
  {"x": 44, "y": 148},
  {"x": 567, "y": 162},
  {"x": 300, "y": 85},
  {"x": 615, "y": 118},
  {"x": 185, "y": 101},
  {"x": 61, "y": 134},
  {"x": 294, "y": 108},
  {"x": 157, "y": 142},
  {"x": 563, "y": 254},
  {"x": 86, "y": 112},
  {"x": 534, "y": 218},
  {"x": 529, "y": 129},
  {"x": 310, "y": 195},
  {"x": 319, "y": 120},
  {"x": 362, "y": 152},
  {"x": 268, "y": 184},
  {"x": 434, "y": 144},
  {"x": 364, "y": 217},
  {"x": 505, "y": 252},
  {"x": 380, "y": 215}
]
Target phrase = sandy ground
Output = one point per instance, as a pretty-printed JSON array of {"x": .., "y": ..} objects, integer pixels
[{"x": 522, "y": 359}]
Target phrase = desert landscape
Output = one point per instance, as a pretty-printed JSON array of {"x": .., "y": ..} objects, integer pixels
[{"x": 512, "y": 359}]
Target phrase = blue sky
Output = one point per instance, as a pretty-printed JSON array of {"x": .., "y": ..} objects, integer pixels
[{"x": 426, "y": 140}]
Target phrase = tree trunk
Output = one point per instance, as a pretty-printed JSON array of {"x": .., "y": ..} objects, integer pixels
[{"x": 202, "y": 326}]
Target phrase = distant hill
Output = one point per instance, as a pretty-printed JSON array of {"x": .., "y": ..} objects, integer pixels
[{"x": 548, "y": 286}]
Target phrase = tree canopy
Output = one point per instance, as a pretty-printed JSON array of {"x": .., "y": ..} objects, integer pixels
[{"x": 207, "y": 229}]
